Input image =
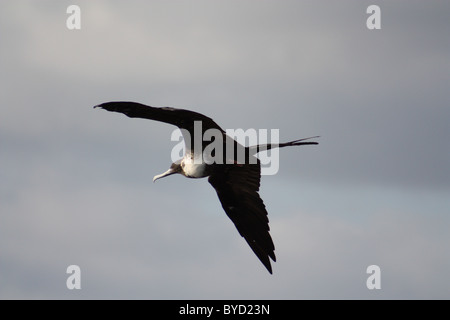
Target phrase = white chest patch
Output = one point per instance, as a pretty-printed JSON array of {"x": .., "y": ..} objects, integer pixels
[{"x": 193, "y": 168}]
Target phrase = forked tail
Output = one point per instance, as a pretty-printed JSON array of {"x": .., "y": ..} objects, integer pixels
[{"x": 263, "y": 147}]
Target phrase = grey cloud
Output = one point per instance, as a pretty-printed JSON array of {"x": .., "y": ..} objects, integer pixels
[{"x": 76, "y": 182}]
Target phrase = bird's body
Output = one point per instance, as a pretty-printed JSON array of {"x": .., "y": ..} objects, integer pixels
[
  {"x": 235, "y": 178},
  {"x": 192, "y": 169}
]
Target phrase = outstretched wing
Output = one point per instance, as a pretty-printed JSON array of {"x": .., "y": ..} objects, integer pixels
[
  {"x": 183, "y": 119},
  {"x": 237, "y": 187}
]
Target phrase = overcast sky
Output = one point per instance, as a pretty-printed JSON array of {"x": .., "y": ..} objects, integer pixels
[{"x": 76, "y": 183}]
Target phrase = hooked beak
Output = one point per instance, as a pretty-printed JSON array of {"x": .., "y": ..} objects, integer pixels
[{"x": 165, "y": 174}]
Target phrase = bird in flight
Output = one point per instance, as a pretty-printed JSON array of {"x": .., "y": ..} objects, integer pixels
[{"x": 235, "y": 178}]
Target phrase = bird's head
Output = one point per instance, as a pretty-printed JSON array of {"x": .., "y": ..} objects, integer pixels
[{"x": 174, "y": 168}]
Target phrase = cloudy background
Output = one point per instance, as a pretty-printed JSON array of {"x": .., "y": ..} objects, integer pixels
[{"x": 75, "y": 183}]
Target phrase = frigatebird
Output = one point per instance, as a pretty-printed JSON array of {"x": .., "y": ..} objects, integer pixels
[{"x": 235, "y": 180}]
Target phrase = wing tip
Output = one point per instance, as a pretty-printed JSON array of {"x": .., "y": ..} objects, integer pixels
[
  {"x": 269, "y": 269},
  {"x": 263, "y": 255},
  {"x": 269, "y": 265},
  {"x": 125, "y": 107},
  {"x": 103, "y": 106}
]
